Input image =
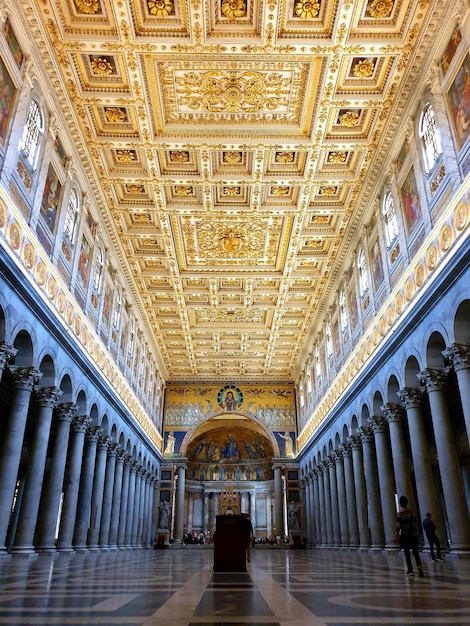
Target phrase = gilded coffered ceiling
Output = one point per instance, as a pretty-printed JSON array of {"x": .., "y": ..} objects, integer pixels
[{"x": 233, "y": 146}]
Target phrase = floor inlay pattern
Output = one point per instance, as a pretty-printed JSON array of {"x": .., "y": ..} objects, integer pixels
[{"x": 178, "y": 587}]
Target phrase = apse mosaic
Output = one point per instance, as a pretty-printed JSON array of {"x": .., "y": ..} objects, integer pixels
[
  {"x": 272, "y": 404},
  {"x": 230, "y": 454}
]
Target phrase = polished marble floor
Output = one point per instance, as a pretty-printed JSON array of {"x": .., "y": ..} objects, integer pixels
[{"x": 281, "y": 587}]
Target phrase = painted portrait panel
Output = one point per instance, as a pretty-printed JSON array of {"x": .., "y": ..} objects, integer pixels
[
  {"x": 13, "y": 44},
  {"x": 84, "y": 263},
  {"x": 458, "y": 99},
  {"x": 376, "y": 262},
  {"x": 107, "y": 305},
  {"x": 50, "y": 198},
  {"x": 7, "y": 99},
  {"x": 450, "y": 50},
  {"x": 410, "y": 202},
  {"x": 353, "y": 312}
]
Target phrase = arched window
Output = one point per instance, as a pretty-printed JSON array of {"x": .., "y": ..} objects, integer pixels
[
  {"x": 429, "y": 137},
  {"x": 390, "y": 219},
  {"x": 71, "y": 216},
  {"x": 329, "y": 340},
  {"x": 343, "y": 312},
  {"x": 362, "y": 272},
  {"x": 317, "y": 363},
  {"x": 301, "y": 394},
  {"x": 32, "y": 133},
  {"x": 309, "y": 384},
  {"x": 99, "y": 271},
  {"x": 117, "y": 309}
]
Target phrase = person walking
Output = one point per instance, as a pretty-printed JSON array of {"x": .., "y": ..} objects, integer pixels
[
  {"x": 406, "y": 533},
  {"x": 429, "y": 528},
  {"x": 248, "y": 528}
]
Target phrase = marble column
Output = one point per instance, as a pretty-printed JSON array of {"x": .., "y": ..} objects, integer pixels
[
  {"x": 129, "y": 500},
  {"x": 117, "y": 499},
  {"x": 72, "y": 483},
  {"x": 342, "y": 501},
  {"x": 278, "y": 514},
  {"x": 373, "y": 489},
  {"x": 323, "y": 536},
  {"x": 305, "y": 523},
  {"x": 152, "y": 509},
  {"x": 136, "y": 516},
  {"x": 394, "y": 415},
  {"x": 124, "y": 504},
  {"x": 316, "y": 538},
  {"x": 334, "y": 500},
  {"x": 190, "y": 522},
  {"x": 252, "y": 509},
  {"x": 350, "y": 496},
  {"x": 325, "y": 477},
  {"x": 269, "y": 514},
  {"x": 459, "y": 355},
  {"x": 82, "y": 521},
  {"x": 46, "y": 399},
  {"x": 105, "y": 523},
  {"x": 386, "y": 479},
  {"x": 97, "y": 493},
  {"x": 451, "y": 477},
  {"x": 179, "y": 509},
  {"x": 23, "y": 381},
  {"x": 54, "y": 479},
  {"x": 361, "y": 492},
  {"x": 206, "y": 512},
  {"x": 142, "y": 538}
]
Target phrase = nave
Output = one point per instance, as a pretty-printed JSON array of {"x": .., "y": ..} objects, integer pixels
[{"x": 178, "y": 587}]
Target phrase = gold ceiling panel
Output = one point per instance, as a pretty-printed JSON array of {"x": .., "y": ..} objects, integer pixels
[
  {"x": 160, "y": 18},
  {"x": 198, "y": 95},
  {"x": 228, "y": 144}
]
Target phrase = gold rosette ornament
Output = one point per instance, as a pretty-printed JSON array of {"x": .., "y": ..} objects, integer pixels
[
  {"x": 234, "y": 8},
  {"x": 381, "y": 8},
  {"x": 160, "y": 8},
  {"x": 363, "y": 69},
  {"x": 349, "y": 119},
  {"x": 87, "y": 6},
  {"x": 101, "y": 67},
  {"x": 306, "y": 10}
]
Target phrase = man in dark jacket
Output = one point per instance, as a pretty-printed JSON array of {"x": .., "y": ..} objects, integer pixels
[{"x": 429, "y": 528}]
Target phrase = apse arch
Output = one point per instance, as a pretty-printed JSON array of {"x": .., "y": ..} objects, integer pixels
[{"x": 242, "y": 416}]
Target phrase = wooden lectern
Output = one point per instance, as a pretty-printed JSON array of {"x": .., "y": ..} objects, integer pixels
[{"x": 230, "y": 544}]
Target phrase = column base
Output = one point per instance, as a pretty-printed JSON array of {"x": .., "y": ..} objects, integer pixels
[{"x": 23, "y": 550}]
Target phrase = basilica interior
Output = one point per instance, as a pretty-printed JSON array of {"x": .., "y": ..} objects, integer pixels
[{"x": 234, "y": 253}]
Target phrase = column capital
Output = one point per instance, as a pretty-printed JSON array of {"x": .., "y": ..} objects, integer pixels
[
  {"x": 339, "y": 454},
  {"x": 66, "y": 411},
  {"x": 103, "y": 442},
  {"x": 434, "y": 379},
  {"x": 120, "y": 454},
  {"x": 93, "y": 433},
  {"x": 80, "y": 423},
  {"x": 346, "y": 449},
  {"x": 365, "y": 434},
  {"x": 459, "y": 355},
  {"x": 355, "y": 442},
  {"x": 24, "y": 377},
  {"x": 392, "y": 412},
  {"x": 113, "y": 448},
  {"x": 411, "y": 397},
  {"x": 7, "y": 352},
  {"x": 47, "y": 396},
  {"x": 377, "y": 424}
]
